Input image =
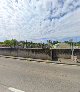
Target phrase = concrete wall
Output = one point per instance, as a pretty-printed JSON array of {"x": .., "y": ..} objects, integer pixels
[
  {"x": 48, "y": 54},
  {"x": 64, "y": 53},
  {"x": 61, "y": 53},
  {"x": 28, "y": 53}
]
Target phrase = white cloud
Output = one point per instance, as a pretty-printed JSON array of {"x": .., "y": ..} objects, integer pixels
[{"x": 38, "y": 19}]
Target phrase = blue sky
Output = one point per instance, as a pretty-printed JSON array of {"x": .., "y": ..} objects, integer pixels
[{"x": 39, "y": 20}]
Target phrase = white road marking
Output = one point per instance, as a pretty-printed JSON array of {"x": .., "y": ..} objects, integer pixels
[
  {"x": 61, "y": 64},
  {"x": 73, "y": 65},
  {"x": 53, "y": 63},
  {"x": 15, "y": 90}
]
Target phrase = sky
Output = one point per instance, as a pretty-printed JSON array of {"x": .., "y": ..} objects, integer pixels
[{"x": 39, "y": 20}]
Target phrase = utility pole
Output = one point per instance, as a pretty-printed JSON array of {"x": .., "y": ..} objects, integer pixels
[
  {"x": 72, "y": 49},
  {"x": 26, "y": 44}
]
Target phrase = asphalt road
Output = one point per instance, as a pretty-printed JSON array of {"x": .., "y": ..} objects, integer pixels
[{"x": 26, "y": 76}]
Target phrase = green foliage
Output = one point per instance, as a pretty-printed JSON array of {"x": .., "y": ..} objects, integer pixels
[
  {"x": 49, "y": 44},
  {"x": 10, "y": 43},
  {"x": 21, "y": 43},
  {"x": 1, "y": 42},
  {"x": 7, "y": 43}
]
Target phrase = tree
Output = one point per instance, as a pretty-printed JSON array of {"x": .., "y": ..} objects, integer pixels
[
  {"x": 14, "y": 42},
  {"x": 55, "y": 42},
  {"x": 11, "y": 43},
  {"x": 7, "y": 43},
  {"x": 21, "y": 43}
]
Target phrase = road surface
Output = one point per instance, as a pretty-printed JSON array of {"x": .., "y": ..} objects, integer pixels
[{"x": 27, "y": 76}]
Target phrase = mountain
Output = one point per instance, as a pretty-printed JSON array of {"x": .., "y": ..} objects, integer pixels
[{"x": 39, "y": 20}]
